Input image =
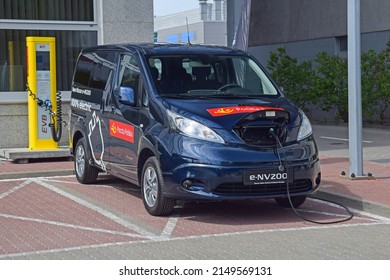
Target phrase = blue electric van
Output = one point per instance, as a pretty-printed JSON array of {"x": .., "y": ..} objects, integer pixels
[{"x": 189, "y": 122}]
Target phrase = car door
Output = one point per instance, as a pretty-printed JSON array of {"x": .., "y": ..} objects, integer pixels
[
  {"x": 102, "y": 66},
  {"x": 124, "y": 119}
]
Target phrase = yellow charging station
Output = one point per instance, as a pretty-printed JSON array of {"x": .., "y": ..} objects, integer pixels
[{"x": 41, "y": 85}]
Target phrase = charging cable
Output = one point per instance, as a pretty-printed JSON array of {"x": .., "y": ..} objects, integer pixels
[
  {"x": 285, "y": 167},
  {"x": 56, "y": 117}
]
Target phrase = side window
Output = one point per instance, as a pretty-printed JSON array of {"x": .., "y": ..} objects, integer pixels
[
  {"x": 95, "y": 70},
  {"x": 129, "y": 74},
  {"x": 83, "y": 70},
  {"x": 102, "y": 72}
]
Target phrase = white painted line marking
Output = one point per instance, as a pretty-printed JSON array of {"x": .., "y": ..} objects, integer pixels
[
  {"x": 42, "y": 221},
  {"x": 14, "y": 189},
  {"x": 169, "y": 227},
  {"x": 335, "y": 215},
  {"x": 102, "y": 186},
  {"x": 343, "y": 139},
  {"x": 373, "y": 216},
  {"x": 145, "y": 233}
]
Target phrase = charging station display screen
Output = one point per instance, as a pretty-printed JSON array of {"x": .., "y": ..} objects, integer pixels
[{"x": 43, "y": 60}]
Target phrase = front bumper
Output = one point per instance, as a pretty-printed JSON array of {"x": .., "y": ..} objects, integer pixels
[{"x": 215, "y": 171}]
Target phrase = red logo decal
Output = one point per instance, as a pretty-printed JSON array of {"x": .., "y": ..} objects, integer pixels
[
  {"x": 217, "y": 112},
  {"x": 122, "y": 131}
]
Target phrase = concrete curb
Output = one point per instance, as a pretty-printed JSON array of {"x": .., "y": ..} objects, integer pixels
[
  {"x": 35, "y": 174},
  {"x": 355, "y": 203},
  {"x": 23, "y": 155}
]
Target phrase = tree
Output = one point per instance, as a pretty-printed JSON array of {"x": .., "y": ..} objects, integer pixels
[
  {"x": 331, "y": 85},
  {"x": 370, "y": 75},
  {"x": 376, "y": 82},
  {"x": 327, "y": 85},
  {"x": 295, "y": 78}
]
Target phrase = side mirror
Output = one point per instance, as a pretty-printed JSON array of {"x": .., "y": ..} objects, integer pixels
[{"x": 127, "y": 96}]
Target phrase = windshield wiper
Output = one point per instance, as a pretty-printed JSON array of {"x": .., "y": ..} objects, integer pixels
[
  {"x": 178, "y": 96},
  {"x": 215, "y": 93},
  {"x": 234, "y": 96},
  {"x": 185, "y": 96}
]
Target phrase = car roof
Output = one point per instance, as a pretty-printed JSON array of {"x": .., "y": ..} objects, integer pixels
[{"x": 169, "y": 49}]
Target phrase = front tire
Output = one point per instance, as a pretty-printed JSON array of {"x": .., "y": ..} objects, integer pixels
[
  {"x": 152, "y": 184},
  {"x": 85, "y": 173},
  {"x": 296, "y": 201}
]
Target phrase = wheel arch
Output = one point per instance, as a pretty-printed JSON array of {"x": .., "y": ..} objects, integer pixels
[
  {"x": 79, "y": 131},
  {"x": 76, "y": 137},
  {"x": 142, "y": 158}
]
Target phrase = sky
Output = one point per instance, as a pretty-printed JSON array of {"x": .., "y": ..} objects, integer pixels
[{"x": 167, "y": 7}]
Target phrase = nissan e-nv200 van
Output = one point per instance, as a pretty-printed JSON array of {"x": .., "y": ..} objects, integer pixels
[{"x": 189, "y": 122}]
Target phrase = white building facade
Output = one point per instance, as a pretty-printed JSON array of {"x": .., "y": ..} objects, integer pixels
[{"x": 206, "y": 25}]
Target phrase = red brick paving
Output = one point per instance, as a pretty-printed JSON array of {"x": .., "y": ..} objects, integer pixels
[
  {"x": 377, "y": 190},
  {"x": 18, "y": 236},
  {"x": 21, "y": 204},
  {"x": 35, "y": 201},
  {"x": 124, "y": 198}
]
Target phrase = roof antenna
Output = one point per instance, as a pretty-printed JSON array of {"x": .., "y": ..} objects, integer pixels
[{"x": 188, "y": 34}]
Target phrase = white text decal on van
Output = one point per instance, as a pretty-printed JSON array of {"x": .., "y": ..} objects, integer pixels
[
  {"x": 81, "y": 104},
  {"x": 82, "y": 91}
]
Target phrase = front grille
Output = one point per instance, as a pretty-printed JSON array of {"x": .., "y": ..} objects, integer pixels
[{"x": 298, "y": 186}]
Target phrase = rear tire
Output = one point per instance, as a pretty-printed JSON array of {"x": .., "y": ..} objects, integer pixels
[
  {"x": 152, "y": 184},
  {"x": 295, "y": 200},
  {"x": 85, "y": 173}
]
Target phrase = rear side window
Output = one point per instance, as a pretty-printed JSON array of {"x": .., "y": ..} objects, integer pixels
[
  {"x": 83, "y": 71},
  {"x": 94, "y": 70}
]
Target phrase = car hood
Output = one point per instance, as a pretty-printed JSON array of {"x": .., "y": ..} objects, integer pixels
[{"x": 216, "y": 113}]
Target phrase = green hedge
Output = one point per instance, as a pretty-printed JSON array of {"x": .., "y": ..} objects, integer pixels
[{"x": 324, "y": 81}]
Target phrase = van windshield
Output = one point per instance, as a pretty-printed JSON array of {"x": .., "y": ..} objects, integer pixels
[{"x": 204, "y": 76}]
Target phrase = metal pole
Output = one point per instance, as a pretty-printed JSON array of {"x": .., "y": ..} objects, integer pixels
[{"x": 354, "y": 90}]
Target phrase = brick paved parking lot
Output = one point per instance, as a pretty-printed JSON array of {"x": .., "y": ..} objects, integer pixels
[{"x": 57, "y": 214}]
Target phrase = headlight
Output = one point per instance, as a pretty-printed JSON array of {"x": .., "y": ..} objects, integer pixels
[
  {"x": 192, "y": 128},
  {"x": 305, "y": 130}
]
